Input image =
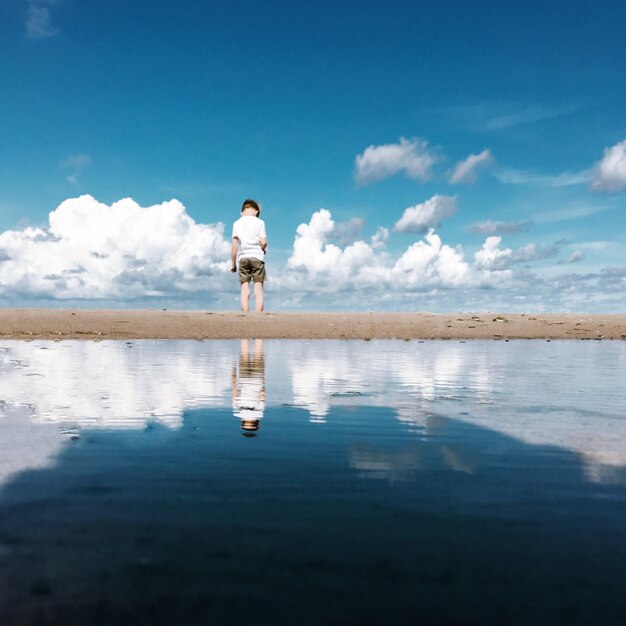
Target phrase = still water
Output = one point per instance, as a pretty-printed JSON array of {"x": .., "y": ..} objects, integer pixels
[{"x": 312, "y": 481}]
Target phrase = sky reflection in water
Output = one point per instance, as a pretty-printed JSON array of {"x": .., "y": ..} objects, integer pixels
[
  {"x": 447, "y": 482},
  {"x": 565, "y": 394}
]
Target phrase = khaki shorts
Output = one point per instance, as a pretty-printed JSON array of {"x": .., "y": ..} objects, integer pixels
[{"x": 251, "y": 269}]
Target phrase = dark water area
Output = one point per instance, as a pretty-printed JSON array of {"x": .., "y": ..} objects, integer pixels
[{"x": 328, "y": 482}]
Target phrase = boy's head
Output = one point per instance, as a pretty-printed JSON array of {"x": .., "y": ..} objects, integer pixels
[
  {"x": 249, "y": 427},
  {"x": 251, "y": 204}
]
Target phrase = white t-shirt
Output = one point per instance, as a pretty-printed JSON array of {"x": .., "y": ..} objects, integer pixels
[
  {"x": 250, "y": 230},
  {"x": 248, "y": 403}
]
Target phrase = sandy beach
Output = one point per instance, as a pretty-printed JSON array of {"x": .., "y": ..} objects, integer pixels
[{"x": 59, "y": 324}]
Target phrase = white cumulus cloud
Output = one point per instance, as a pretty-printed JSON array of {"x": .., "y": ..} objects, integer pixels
[
  {"x": 413, "y": 157},
  {"x": 430, "y": 263},
  {"x": 491, "y": 257},
  {"x": 609, "y": 173},
  {"x": 92, "y": 250},
  {"x": 328, "y": 262},
  {"x": 380, "y": 237},
  {"x": 129, "y": 254},
  {"x": 318, "y": 265},
  {"x": 421, "y": 217},
  {"x": 465, "y": 171}
]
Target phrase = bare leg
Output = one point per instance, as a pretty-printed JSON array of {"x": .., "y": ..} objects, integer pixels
[
  {"x": 245, "y": 297},
  {"x": 259, "y": 363},
  {"x": 258, "y": 297},
  {"x": 258, "y": 348}
]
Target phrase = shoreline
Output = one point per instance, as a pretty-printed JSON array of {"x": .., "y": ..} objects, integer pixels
[{"x": 58, "y": 324}]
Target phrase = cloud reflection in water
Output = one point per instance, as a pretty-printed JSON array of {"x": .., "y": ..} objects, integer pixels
[{"x": 564, "y": 394}]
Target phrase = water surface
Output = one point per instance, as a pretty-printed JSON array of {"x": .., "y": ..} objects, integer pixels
[{"x": 344, "y": 482}]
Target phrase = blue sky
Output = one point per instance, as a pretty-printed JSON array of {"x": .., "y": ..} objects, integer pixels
[{"x": 210, "y": 103}]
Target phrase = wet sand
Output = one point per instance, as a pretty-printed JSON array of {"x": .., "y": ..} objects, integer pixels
[{"x": 163, "y": 324}]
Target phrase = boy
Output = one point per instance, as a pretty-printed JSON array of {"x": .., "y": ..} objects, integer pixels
[
  {"x": 248, "y": 387},
  {"x": 250, "y": 241}
]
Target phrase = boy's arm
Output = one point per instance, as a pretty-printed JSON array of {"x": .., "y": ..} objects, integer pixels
[
  {"x": 263, "y": 236},
  {"x": 233, "y": 254}
]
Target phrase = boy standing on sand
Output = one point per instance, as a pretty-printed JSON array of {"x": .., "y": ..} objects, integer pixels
[{"x": 250, "y": 241}]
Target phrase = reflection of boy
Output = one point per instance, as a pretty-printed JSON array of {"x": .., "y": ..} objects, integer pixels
[
  {"x": 250, "y": 243},
  {"x": 248, "y": 388}
]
